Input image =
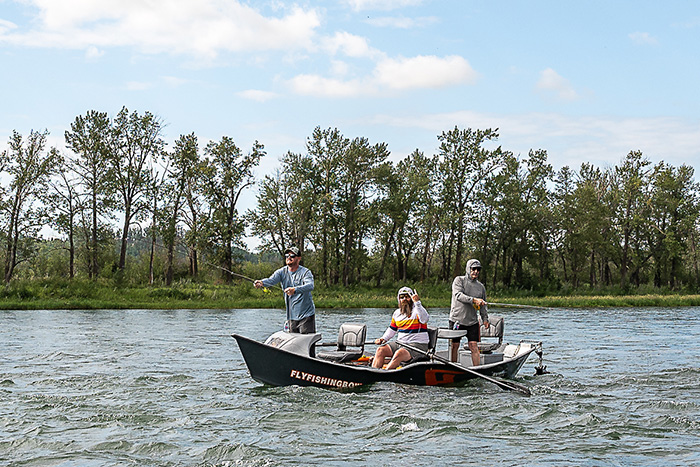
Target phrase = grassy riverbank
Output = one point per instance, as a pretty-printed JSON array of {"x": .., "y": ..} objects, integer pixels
[{"x": 106, "y": 295}]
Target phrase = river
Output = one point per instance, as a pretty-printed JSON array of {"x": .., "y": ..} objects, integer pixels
[{"x": 170, "y": 388}]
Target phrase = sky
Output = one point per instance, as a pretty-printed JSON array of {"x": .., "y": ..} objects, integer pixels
[{"x": 587, "y": 81}]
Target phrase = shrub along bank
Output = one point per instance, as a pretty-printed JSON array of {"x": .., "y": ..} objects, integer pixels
[{"x": 105, "y": 294}]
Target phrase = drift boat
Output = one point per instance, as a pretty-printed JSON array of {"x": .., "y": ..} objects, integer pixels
[{"x": 294, "y": 359}]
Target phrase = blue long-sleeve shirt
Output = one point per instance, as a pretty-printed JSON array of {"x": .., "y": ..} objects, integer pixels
[{"x": 301, "y": 304}]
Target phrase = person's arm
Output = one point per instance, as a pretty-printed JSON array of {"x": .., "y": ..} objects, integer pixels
[
  {"x": 422, "y": 313},
  {"x": 458, "y": 291},
  {"x": 307, "y": 283},
  {"x": 274, "y": 279},
  {"x": 483, "y": 310},
  {"x": 389, "y": 333}
]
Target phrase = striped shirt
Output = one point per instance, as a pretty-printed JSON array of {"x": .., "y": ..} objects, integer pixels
[{"x": 410, "y": 330}]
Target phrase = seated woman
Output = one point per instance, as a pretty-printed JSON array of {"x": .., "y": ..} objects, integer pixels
[{"x": 410, "y": 321}]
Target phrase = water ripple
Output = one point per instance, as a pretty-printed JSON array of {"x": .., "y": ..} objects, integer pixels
[{"x": 123, "y": 395}]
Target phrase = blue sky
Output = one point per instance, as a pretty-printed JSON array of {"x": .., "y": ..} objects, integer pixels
[{"x": 586, "y": 81}]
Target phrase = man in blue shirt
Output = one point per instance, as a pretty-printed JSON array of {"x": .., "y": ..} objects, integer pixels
[{"x": 297, "y": 283}]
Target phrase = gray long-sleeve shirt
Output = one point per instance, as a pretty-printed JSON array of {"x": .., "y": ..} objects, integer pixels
[
  {"x": 301, "y": 304},
  {"x": 462, "y": 310}
]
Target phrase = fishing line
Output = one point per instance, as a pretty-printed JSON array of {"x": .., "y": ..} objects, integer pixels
[
  {"x": 518, "y": 306},
  {"x": 184, "y": 254}
]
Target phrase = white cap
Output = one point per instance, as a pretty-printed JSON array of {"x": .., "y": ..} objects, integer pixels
[{"x": 404, "y": 291}]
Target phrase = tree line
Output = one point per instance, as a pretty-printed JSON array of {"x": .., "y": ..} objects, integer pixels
[{"x": 119, "y": 197}]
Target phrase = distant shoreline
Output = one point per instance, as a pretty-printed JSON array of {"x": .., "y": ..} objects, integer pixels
[{"x": 92, "y": 296}]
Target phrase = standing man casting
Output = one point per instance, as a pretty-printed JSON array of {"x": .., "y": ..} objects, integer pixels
[
  {"x": 468, "y": 297},
  {"x": 297, "y": 282}
]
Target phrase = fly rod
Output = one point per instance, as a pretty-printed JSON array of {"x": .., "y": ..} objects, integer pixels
[{"x": 163, "y": 247}]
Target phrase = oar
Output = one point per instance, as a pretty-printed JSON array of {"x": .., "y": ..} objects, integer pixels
[{"x": 509, "y": 385}]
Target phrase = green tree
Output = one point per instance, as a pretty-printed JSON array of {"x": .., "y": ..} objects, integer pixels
[
  {"x": 630, "y": 197},
  {"x": 673, "y": 215},
  {"x": 64, "y": 202},
  {"x": 29, "y": 168},
  {"x": 89, "y": 140},
  {"x": 182, "y": 170},
  {"x": 405, "y": 211},
  {"x": 136, "y": 141},
  {"x": 154, "y": 194},
  {"x": 327, "y": 149},
  {"x": 583, "y": 215},
  {"x": 464, "y": 164},
  {"x": 286, "y": 205},
  {"x": 360, "y": 167},
  {"x": 229, "y": 173}
]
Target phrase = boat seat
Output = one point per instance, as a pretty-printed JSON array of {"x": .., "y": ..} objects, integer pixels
[
  {"x": 349, "y": 335},
  {"x": 494, "y": 331}
]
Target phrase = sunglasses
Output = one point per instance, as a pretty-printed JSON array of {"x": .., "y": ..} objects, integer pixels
[
  {"x": 290, "y": 255},
  {"x": 404, "y": 296},
  {"x": 476, "y": 269}
]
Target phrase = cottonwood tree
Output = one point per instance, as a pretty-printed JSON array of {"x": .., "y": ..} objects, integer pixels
[
  {"x": 630, "y": 196},
  {"x": 286, "y": 205},
  {"x": 182, "y": 169},
  {"x": 326, "y": 148},
  {"x": 64, "y": 202},
  {"x": 194, "y": 216},
  {"x": 464, "y": 164},
  {"x": 136, "y": 141},
  {"x": 229, "y": 173},
  {"x": 533, "y": 201},
  {"x": 403, "y": 210},
  {"x": 155, "y": 195},
  {"x": 29, "y": 168},
  {"x": 673, "y": 215},
  {"x": 89, "y": 139},
  {"x": 361, "y": 165}
]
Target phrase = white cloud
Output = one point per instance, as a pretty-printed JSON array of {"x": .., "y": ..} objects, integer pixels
[
  {"x": 314, "y": 85},
  {"x": 425, "y": 72},
  {"x": 6, "y": 26},
  {"x": 256, "y": 95},
  {"x": 360, "y": 5},
  {"x": 551, "y": 81},
  {"x": 93, "y": 53},
  {"x": 402, "y": 22},
  {"x": 339, "y": 68},
  {"x": 642, "y": 38},
  {"x": 421, "y": 72},
  {"x": 350, "y": 45},
  {"x": 203, "y": 28}
]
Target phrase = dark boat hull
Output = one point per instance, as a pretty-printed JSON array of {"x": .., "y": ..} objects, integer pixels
[{"x": 278, "y": 367}]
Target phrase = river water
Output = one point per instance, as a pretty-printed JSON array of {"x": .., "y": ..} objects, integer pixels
[{"x": 170, "y": 388}]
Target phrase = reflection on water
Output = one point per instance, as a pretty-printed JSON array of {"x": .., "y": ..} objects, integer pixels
[{"x": 170, "y": 388}]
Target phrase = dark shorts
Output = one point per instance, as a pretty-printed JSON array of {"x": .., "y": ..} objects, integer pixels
[
  {"x": 473, "y": 332},
  {"x": 394, "y": 346},
  {"x": 303, "y": 326}
]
